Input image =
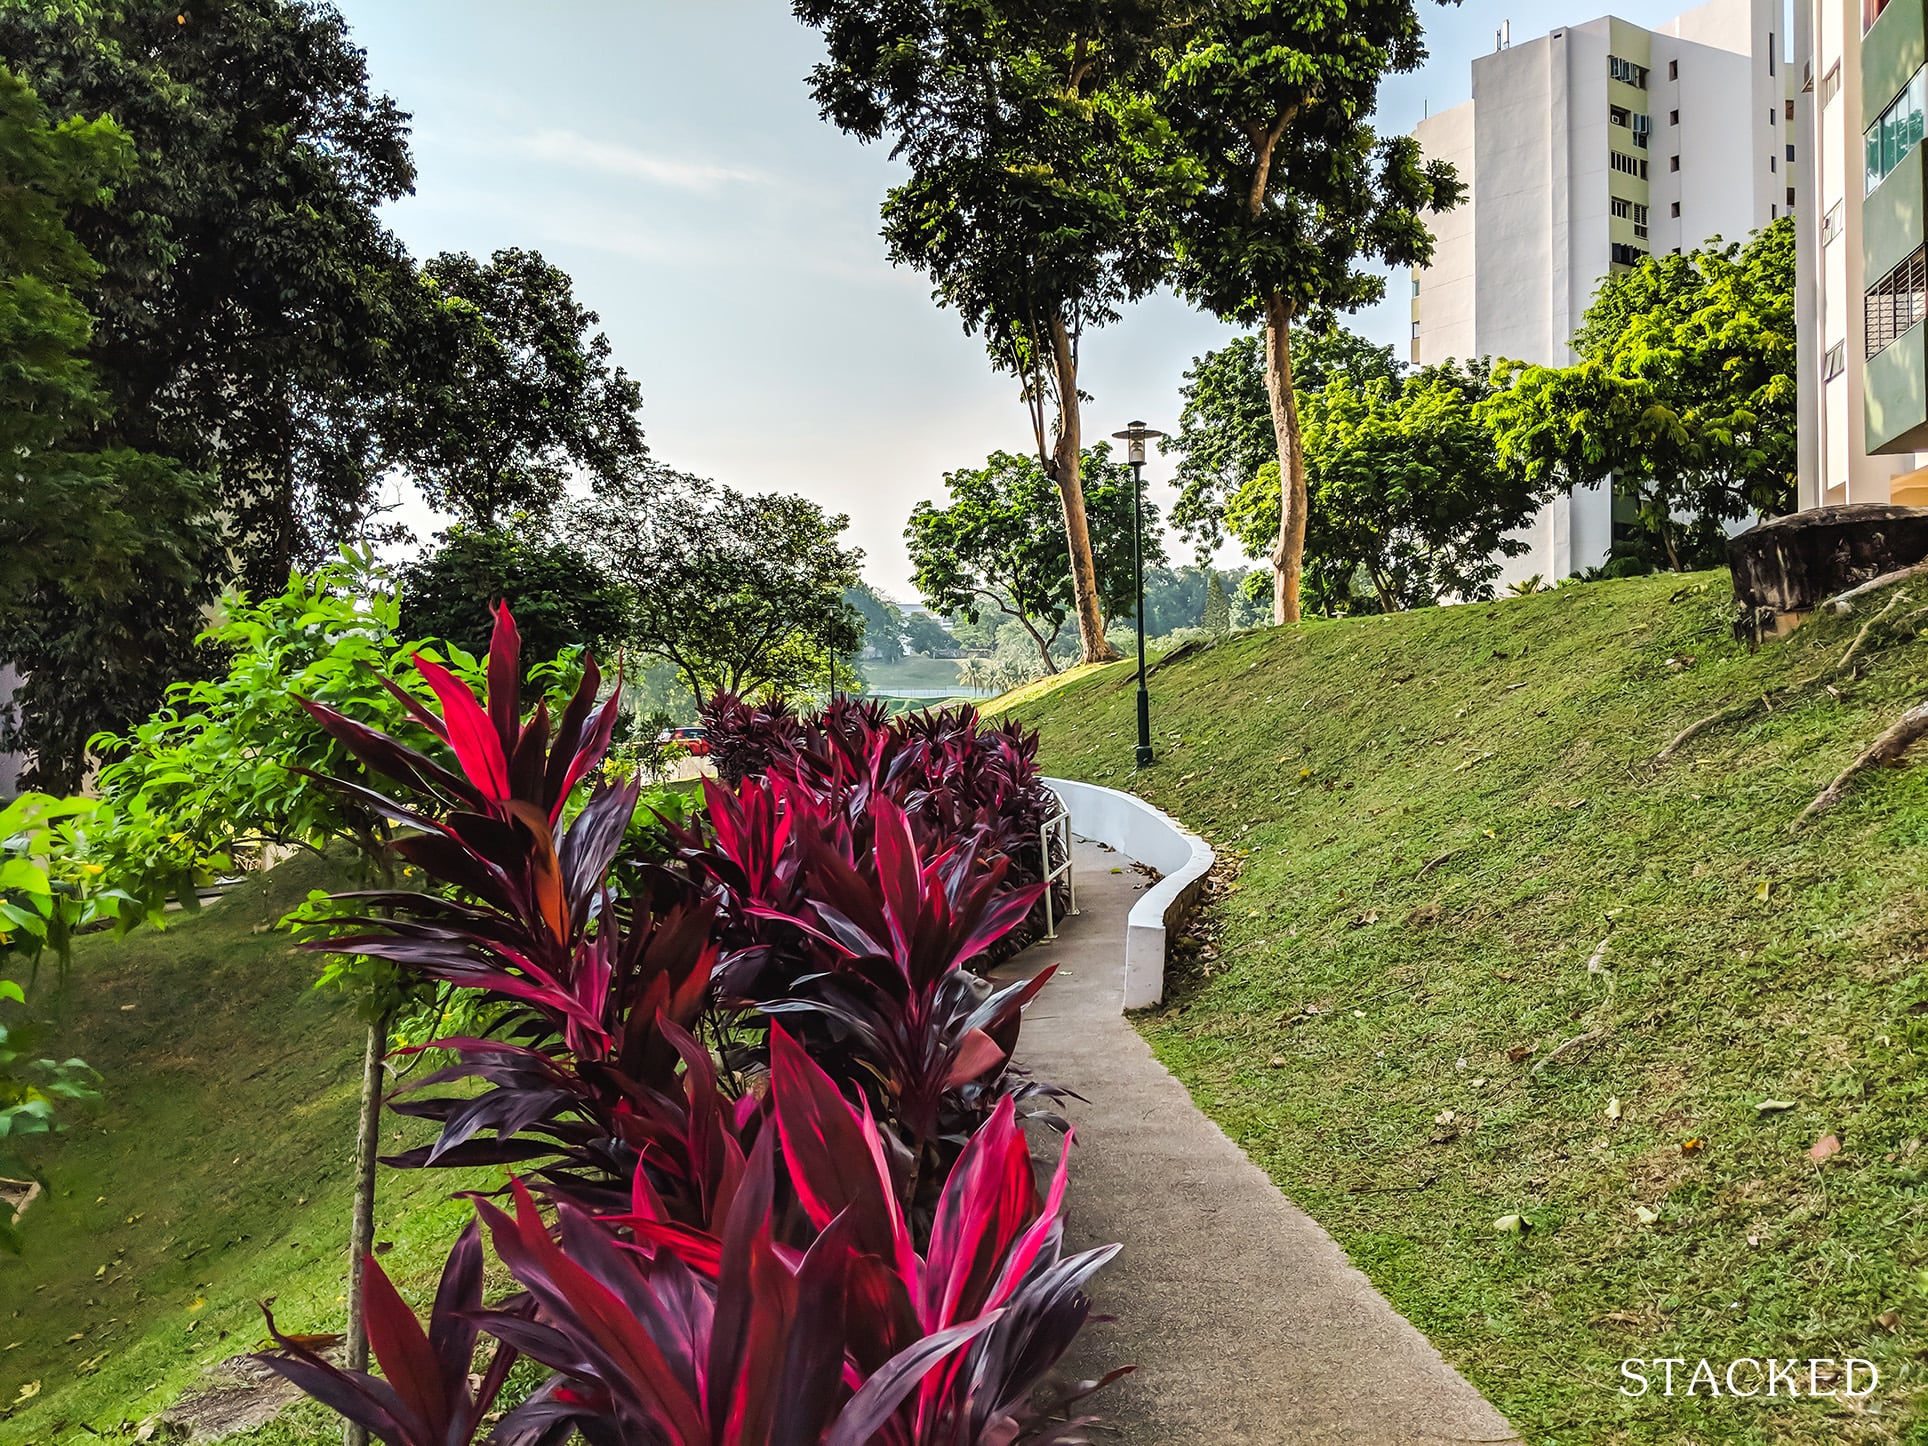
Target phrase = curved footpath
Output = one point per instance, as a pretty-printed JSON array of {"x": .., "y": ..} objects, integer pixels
[{"x": 1246, "y": 1320}]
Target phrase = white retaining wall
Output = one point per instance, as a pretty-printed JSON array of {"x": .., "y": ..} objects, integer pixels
[{"x": 1143, "y": 834}]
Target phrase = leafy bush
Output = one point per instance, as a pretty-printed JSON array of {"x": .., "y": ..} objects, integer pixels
[{"x": 831, "y": 1237}]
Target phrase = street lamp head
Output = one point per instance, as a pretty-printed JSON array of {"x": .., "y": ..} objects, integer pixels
[{"x": 1135, "y": 435}]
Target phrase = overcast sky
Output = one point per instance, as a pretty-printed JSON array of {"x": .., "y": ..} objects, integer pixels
[{"x": 667, "y": 155}]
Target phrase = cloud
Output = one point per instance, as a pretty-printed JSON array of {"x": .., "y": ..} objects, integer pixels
[{"x": 569, "y": 148}]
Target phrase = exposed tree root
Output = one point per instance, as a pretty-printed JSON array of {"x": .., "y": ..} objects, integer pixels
[
  {"x": 1839, "y": 602},
  {"x": 1701, "y": 725},
  {"x": 1888, "y": 748},
  {"x": 1862, "y": 636}
]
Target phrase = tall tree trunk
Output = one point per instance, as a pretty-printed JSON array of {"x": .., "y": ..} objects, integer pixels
[
  {"x": 361, "y": 1232},
  {"x": 1288, "y": 554},
  {"x": 1066, "y": 466}
]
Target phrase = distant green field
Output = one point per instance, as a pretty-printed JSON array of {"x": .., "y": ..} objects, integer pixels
[{"x": 910, "y": 672}]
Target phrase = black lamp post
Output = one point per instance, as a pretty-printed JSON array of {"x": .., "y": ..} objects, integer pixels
[{"x": 1135, "y": 435}]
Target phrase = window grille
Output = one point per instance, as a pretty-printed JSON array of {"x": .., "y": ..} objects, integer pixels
[{"x": 1896, "y": 302}]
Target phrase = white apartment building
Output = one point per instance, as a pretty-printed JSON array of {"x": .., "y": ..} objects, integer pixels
[
  {"x": 1860, "y": 276},
  {"x": 1583, "y": 151}
]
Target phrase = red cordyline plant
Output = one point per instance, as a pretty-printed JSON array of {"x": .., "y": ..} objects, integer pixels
[{"x": 846, "y": 1336}]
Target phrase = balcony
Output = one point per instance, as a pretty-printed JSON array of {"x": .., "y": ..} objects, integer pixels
[{"x": 1894, "y": 394}]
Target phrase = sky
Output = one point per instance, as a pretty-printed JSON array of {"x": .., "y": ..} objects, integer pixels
[{"x": 667, "y": 155}]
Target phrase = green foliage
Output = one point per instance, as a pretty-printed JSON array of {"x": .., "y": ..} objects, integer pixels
[
  {"x": 1225, "y": 434},
  {"x": 89, "y": 533},
  {"x": 742, "y": 592},
  {"x": 927, "y": 635},
  {"x": 1218, "y": 608},
  {"x": 1297, "y": 199},
  {"x": 246, "y": 299},
  {"x": 1407, "y": 493},
  {"x": 561, "y": 596},
  {"x": 1032, "y": 200},
  {"x": 509, "y": 394},
  {"x": 1684, "y": 393},
  {"x": 226, "y": 766},
  {"x": 883, "y": 621},
  {"x": 998, "y": 544}
]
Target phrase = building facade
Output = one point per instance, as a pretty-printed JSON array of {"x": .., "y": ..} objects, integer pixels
[
  {"x": 1584, "y": 151},
  {"x": 1861, "y": 275}
]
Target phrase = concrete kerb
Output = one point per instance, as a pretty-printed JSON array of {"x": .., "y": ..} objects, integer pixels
[{"x": 1145, "y": 835}]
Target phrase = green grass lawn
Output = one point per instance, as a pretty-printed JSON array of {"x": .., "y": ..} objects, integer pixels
[
  {"x": 214, "y": 1174},
  {"x": 1456, "y": 857}
]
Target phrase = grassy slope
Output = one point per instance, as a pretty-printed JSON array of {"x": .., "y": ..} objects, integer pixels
[
  {"x": 215, "y": 1173},
  {"x": 1442, "y": 814}
]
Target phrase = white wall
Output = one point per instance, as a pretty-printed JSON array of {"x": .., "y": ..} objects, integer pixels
[
  {"x": 1447, "y": 287},
  {"x": 1134, "y": 828}
]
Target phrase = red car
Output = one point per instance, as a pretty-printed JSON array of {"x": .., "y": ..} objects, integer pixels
[{"x": 696, "y": 741}]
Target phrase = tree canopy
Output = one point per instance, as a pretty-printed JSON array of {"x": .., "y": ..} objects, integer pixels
[
  {"x": 1684, "y": 395},
  {"x": 245, "y": 301},
  {"x": 561, "y": 596},
  {"x": 1268, "y": 107},
  {"x": 1406, "y": 493},
  {"x": 994, "y": 546},
  {"x": 1030, "y": 201},
  {"x": 743, "y": 592},
  {"x": 1225, "y": 436},
  {"x": 511, "y": 391}
]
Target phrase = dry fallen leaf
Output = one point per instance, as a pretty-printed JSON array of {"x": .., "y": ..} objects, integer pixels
[
  {"x": 1768, "y": 1107},
  {"x": 1822, "y": 1148},
  {"x": 1613, "y": 1108},
  {"x": 1889, "y": 1320},
  {"x": 1519, "y": 1052},
  {"x": 1693, "y": 1146},
  {"x": 1644, "y": 1215},
  {"x": 1512, "y": 1225},
  {"x": 27, "y": 1392}
]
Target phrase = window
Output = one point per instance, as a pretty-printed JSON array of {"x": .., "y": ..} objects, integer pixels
[
  {"x": 1831, "y": 223},
  {"x": 1626, "y": 164},
  {"x": 1673, "y": 117},
  {"x": 1790, "y": 198},
  {"x": 1673, "y": 163},
  {"x": 1898, "y": 131},
  {"x": 1415, "y": 331},
  {"x": 1789, "y": 110},
  {"x": 1835, "y": 362},
  {"x": 1625, "y": 255},
  {"x": 1673, "y": 70},
  {"x": 1897, "y": 301},
  {"x": 1790, "y": 155},
  {"x": 1676, "y": 211},
  {"x": 1871, "y": 12},
  {"x": 1627, "y": 72},
  {"x": 1774, "y": 211},
  {"x": 1619, "y": 115},
  {"x": 1770, "y": 52},
  {"x": 1643, "y": 127},
  {"x": 1630, "y": 211},
  {"x": 1831, "y": 83},
  {"x": 1773, "y": 115}
]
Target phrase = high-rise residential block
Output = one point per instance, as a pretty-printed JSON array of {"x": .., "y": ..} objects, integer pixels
[
  {"x": 1861, "y": 277},
  {"x": 1582, "y": 152}
]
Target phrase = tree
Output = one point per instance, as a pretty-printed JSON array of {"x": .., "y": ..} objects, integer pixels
[
  {"x": 1225, "y": 432},
  {"x": 247, "y": 301},
  {"x": 743, "y": 592},
  {"x": 1269, "y": 108},
  {"x": 1406, "y": 490},
  {"x": 1684, "y": 395},
  {"x": 560, "y": 595},
  {"x": 996, "y": 543},
  {"x": 1217, "y": 619},
  {"x": 1031, "y": 197},
  {"x": 87, "y": 534},
  {"x": 883, "y": 621},
  {"x": 927, "y": 635},
  {"x": 509, "y": 391}
]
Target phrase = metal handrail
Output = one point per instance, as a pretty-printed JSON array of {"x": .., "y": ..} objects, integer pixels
[{"x": 1058, "y": 825}]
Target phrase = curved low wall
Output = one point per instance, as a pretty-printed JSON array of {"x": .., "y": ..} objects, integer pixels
[{"x": 1145, "y": 835}]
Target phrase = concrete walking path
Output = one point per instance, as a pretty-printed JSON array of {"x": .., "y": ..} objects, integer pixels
[{"x": 1246, "y": 1320}]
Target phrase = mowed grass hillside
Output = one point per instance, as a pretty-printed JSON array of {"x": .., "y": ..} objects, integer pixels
[
  {"x": 1482, "y": 958},
  {"x": 215, "y": 1173}
]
